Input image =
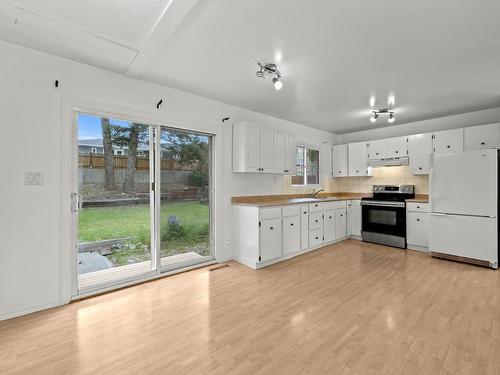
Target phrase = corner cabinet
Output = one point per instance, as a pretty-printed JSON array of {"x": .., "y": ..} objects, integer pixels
[
  {"x": 419, "y": 152},
  {"x": 339, "y": 162},
  {"x": 266, "y": 235},
  {"x": 262, "y": 149}
]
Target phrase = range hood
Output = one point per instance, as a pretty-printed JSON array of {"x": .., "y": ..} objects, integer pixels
[{"x": 388, "y": 162}]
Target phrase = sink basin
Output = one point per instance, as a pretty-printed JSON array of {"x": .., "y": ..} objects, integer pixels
[
  {"x": 310, "y": 200},
  {"x": 304, "y": 200}
]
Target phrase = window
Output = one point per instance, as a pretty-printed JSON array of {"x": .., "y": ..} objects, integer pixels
[
  {"x": 94, "y": 150},
  {"x": 307, "y": 172}
]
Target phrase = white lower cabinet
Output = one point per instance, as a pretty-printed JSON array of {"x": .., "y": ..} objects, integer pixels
[
  {"x": 271, "y": 244},
  {"x": 304, "y": 226},
  {"x": 265, "y": 235},
  {"x": 291, "y": 235},
  {"x": 315, "y": 237},
  {"x": 340, "y": 223},
  {"x": 354, "y": 217},
  {"x": 329, "y": 231},
  {"x": 417, "y": 226}
]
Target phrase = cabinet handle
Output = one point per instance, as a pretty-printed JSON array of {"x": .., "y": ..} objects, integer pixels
[
  {"x": 418, "y": 219},
  {"x": 305, "y": 212},
  {"x": 418, "y": 206},
  {"x": 483, "y": 143},
  {"x": 448, "y": 146},
  {"x": 329, "y": 217},
  {"x": 376, "y": 153},
  {"x": 420, "y": 168},
  {"x": 291, "y": 224},
  {"x": 340, "y": 171},
  {"x": 317, "y": 238},
  {"x": 357, "y": 171},
  {"x": 316, "y": 221},
  {"x": 397, "y": 152},
  {"x": 341, "y": 215},
  {"x": 271, "y": 228}
]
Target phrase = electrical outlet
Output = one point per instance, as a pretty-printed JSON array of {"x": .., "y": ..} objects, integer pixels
[{"x": 33, "y": 178}]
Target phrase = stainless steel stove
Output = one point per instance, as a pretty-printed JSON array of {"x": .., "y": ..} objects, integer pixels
[{"x": 384, "y": 215}]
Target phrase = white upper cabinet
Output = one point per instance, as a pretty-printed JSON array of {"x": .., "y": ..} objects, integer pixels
[
  {"x": 290, "y": 153},
  {"x": 482, "y": 137},
  {"x": 263, "y": 149},
  {"x": 397, "y": 147},
  {"x": 419, "y": 152},
  {"x": 340, "y": 161},
  {"x": 448, "y": 141},
  {"x": 266, "y": 149},
  {"x": 246, "y": 147},
  {"x": 377, "y": 149},
  {"x": 358, "y": 160},
  {"x": 279, "y": 151}
]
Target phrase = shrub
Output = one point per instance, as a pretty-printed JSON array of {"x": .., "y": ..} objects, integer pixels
[{"x": 175, "y": 229}]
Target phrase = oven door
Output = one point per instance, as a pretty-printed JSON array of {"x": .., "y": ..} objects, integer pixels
[{"x": 384, "y": 218}]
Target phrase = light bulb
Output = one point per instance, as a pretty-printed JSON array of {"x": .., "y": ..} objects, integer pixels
[
  {"x": 391, "y": 118},
  {"x": 374, "y": 117},
  {"x": 372, "y": 101},
  {"x": 277, "y": 84}
]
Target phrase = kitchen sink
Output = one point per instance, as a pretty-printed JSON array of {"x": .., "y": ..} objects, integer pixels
[{"x": 310, "y": 200}]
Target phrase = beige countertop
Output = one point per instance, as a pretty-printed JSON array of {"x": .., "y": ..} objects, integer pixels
[{"x": 286, "y": 199}]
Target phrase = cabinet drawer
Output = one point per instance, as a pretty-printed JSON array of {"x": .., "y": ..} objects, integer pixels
[
  {"x": 270, "y": 213},
  {"x": 315, "y": 220},
  {"x": 315, "y": 207},
  {"x": 292, "y": 210},
  {"x": 315, "y": 237},
  {"x": 334, "y": 205},
  {"x": 417, "y": 207}
]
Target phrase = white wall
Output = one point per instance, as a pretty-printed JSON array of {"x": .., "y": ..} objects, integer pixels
[
  {"x": 35, "y": 132},
  {"x": 441, "y": 123}
]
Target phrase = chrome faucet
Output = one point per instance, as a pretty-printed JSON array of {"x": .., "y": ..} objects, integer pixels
[{"x": 315, "y": 192}]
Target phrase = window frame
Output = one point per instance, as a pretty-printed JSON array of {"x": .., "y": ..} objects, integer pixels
[{"x": 313, "y": 148}]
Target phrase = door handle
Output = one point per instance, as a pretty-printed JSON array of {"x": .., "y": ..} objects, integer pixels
[{"x": 436, "y": 214}]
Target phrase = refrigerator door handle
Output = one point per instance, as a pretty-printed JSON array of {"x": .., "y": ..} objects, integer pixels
[
  {"x": 431, "y": 174},
  {"x": 436, "y": 214}
]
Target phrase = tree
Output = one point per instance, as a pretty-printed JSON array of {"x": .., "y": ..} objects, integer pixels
[
  {"x": 129, "y": 137},
  {"x": 109, "y": 170}
]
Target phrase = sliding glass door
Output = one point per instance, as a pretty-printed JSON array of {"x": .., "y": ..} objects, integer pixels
[
  {"x": 185, "y": 181},
  {"x": 143, "y": 200}
]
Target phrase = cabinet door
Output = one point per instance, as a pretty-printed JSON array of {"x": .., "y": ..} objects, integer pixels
[
  {"x": 358, "y": 159},
  {"x": 340, "y": 161},
  {"x": 377, "y": 149},
  {"x": 354, "y": 217},
  {"x": 448, "y": 141},
  {"x": 266, "y": 149},
  {"x": 315, "y": 237},
  {"x": 271, "y": 245},
  {"x": 482, "y": 137},
  {"x": 315, "y": 220},
  {"x": 329, "y": 231},
  {"x": 290, "y": 153},
  {"x": 291, "y": 234},
  {"x": 397, "y": 147},
  {"x": 304, "y": 226},
  {"x": 279, "y": 151},
  {"x": 340, "y": 223},
  {"x": 419, "y": 152},
  {"x": 417, "y": 228}
]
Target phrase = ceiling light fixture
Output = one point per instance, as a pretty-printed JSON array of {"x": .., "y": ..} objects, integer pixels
[
  {"x": 384, "y": 111},
  {"x": 270, "y": 70}
]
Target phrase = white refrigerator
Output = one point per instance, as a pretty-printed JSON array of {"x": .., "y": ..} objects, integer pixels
[{"x": 463, "y": 193}]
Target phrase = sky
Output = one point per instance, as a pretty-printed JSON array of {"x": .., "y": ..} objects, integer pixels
[{"x": 89, "y": 126}]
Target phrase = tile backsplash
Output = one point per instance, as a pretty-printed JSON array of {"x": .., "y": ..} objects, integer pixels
[{"x": 381, "y": 176}]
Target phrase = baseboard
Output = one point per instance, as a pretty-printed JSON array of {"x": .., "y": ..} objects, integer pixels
[
  {"x": 354, "y": 237},
  {"x": 29, "y": 310},
  {"x": 245, "y": 261},
  {"x": 418, "y": 248}
]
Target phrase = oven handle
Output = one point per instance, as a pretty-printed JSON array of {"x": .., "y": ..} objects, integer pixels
[{"x": 383, "y": 204}]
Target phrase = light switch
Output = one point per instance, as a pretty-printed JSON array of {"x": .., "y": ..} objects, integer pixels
[{"x": 33, "y": 178}]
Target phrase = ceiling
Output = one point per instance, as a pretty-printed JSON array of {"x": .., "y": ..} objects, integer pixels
[{"x": 435, "y": 59}]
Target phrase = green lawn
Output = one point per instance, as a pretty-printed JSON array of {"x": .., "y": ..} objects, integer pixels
[{"x": 105, "y": 223}]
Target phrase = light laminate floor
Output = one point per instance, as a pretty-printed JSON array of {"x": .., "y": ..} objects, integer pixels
[{"x": 350, "y": 308}]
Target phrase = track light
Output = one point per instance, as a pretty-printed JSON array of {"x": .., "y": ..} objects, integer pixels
[
  {"x": 277, "y": 84},
  {"x": 270, "y": 70},
  {"x": 384, "y": 111}
]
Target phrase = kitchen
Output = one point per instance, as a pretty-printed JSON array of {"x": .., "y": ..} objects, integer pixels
[
  {"x": 270, "y": 229},
  {"x": 249, "y": 187}
]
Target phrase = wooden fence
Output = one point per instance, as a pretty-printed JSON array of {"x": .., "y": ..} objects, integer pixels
[{"x": 141, "y": 163}]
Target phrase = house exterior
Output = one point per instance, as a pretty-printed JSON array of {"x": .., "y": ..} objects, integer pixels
[{"x": 95, "y": 146}]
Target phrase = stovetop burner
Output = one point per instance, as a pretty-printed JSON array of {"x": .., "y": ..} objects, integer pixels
[{"x": 396, "y": 193}]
